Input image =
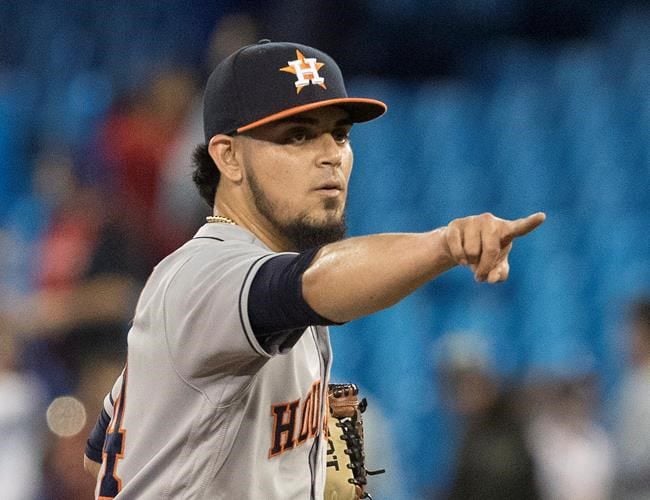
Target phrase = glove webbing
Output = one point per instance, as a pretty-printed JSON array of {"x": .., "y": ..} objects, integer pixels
[{"x": 348, "y": 413}]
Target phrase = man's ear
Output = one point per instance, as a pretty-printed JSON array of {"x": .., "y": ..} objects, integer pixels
[{"x": 222, "y": 151}]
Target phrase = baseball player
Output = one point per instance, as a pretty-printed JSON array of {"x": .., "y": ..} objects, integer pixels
[{"x": 223, "y": 395}]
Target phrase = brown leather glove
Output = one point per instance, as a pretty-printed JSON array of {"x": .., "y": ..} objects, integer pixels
[{"x": 346, "y": 471}]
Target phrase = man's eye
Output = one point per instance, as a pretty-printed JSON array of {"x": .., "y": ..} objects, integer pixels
[
  {"x": 341, "y": 136},
  {"x": 297, "y": 137}
]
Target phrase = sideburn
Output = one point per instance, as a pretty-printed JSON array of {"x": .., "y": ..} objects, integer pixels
[{"x": 302, "y": 233}]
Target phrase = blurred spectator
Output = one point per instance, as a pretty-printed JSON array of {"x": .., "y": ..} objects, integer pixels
[
  {"x": 21, "y": 422},
  {"x": 51, "y": 182},
  {"x": 493, "y": 461},
  {"x": 85, "y": 270},
  {"x": 178, "y": 200},
  {"x": 132, "y": 145},
  {"x": 573, "y": 453},
  {"x": 72, "y": 305},
  {"x": 633, "y": 415}
]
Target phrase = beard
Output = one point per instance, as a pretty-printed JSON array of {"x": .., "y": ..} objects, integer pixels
[{"x": 303, "y": 232}]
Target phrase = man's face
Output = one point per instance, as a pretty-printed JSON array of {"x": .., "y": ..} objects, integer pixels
[{"x": 297, "y": 173}]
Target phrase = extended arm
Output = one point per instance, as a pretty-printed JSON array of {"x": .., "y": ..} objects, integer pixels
[{"x": 359, "y": 276}]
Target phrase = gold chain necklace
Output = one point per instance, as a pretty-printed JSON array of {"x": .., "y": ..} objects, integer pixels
[{"x": 221, "y": 219}]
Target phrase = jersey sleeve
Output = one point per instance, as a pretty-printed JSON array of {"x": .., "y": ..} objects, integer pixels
[
  {"x": 206, "y": 321},
  {"x": 277, "y": 308}
]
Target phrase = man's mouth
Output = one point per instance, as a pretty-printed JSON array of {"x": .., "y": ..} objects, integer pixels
[{"x": 331, "y": 188}]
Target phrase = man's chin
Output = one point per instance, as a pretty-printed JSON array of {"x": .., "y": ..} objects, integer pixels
[{"x": 305, "y": 234}]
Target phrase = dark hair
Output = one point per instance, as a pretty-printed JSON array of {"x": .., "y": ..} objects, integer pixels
[{"x": 206, "y": 174}]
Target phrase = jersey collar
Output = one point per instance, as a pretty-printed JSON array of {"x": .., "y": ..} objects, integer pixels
[{"x": 228, "y": 232}]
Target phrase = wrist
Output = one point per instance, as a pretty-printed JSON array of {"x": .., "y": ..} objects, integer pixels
[{"x": 441, "y": 251}]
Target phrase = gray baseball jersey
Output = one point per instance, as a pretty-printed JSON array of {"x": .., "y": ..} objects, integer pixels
[{"x": 201, "y": 410}]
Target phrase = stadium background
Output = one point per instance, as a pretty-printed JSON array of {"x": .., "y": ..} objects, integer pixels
[{"x": 494, "y": 105}]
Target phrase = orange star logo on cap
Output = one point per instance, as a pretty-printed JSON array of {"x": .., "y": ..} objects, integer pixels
[{"x": 306, "y": 69}]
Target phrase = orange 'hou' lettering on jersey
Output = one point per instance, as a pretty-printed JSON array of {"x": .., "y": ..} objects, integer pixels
[{"x": 289, "y": 430}]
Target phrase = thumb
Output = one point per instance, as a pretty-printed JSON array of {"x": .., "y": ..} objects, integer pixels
[{"x": 523, "y": 226}]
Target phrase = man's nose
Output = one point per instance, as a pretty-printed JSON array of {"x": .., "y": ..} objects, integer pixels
[{"x": 330, "y": 152}]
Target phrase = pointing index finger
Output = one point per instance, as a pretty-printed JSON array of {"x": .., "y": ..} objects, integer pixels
[{"x": 525, "y": 225}]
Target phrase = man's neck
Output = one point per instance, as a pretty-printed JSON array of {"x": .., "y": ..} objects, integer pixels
[{"x": 254, "y": 223}]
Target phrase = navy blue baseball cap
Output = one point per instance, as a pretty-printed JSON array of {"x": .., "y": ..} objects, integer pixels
[{"x": 268, "y": 81}]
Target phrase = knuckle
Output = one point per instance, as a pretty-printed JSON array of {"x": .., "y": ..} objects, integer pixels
[
  {"x": 459, "y": 222},
  {"x": 453, "y": 241},
  {"x": 472, "y": 250},
  {"x": 491, "y": 252}
]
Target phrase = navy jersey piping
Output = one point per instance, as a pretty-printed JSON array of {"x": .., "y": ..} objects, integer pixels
[
  {"x": 207, "y": 238},
  {"x": 315, "y": 447}
]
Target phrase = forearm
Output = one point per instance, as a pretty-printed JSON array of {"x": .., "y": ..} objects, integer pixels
[{"x": 358, "y": 276}]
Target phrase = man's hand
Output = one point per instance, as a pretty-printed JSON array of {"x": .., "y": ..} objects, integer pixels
[{"x": 484, "y": 241}]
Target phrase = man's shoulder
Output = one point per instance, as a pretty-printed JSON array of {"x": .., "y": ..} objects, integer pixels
[
  {"x": 210, "y": 254},
  {"x": 215, "y": 240},
  {"x": 211, "y": 249}
]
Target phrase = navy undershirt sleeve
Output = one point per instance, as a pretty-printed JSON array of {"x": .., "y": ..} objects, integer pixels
[
  {"x": 277, "y": 309},
  {"x": 95, "y": 443}
]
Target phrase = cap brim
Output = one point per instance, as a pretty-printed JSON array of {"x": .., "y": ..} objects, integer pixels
[{"x": 361, "y": 109}]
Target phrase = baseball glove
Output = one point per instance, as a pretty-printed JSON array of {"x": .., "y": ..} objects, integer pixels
[{"x": 346, "y": 470}]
